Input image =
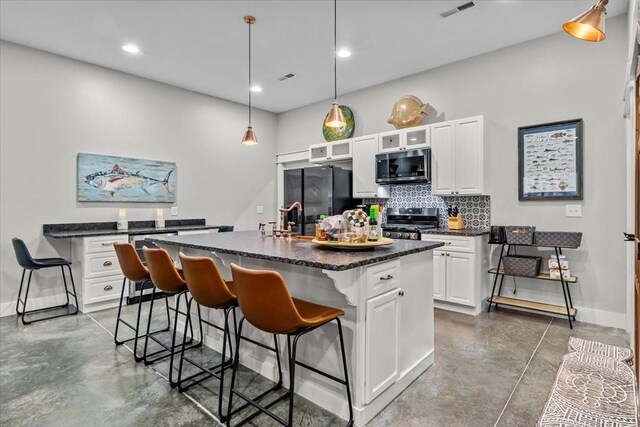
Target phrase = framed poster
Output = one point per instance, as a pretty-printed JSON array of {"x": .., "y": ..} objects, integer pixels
[
  {"x": 550, "y": 161},
  {"x": 122, "y": 179}
]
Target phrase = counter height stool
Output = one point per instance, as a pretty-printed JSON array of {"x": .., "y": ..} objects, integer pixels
[
  {"x": 208, "y": 289},
  {"x": 166, "y": 277},
  {"x": 266, "y": 303},
  {"x": 133, "y": 270},
  {"x": 27, "y": 262}
]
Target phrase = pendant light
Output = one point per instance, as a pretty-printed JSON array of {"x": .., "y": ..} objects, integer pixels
[
  {"x": 249, "y": 137},
  {"x": 589, "y": 25},
  {"x": 335, "y": 118}
]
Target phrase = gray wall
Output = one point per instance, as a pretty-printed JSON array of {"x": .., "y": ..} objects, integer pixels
[
  {"x": 52, "y": 107},
  {"x": 549, "y": 79}
]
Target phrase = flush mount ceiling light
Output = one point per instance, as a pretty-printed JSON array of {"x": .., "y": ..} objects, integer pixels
[
  {"x": 256, "y": 88},
  {"x": 589, "y": 25},
  {"x": 335, "y": 118},
  {"x": 344, "y": 53},
  {"x": 249, "y": 137},
  {"x": 132, "y": 49}
]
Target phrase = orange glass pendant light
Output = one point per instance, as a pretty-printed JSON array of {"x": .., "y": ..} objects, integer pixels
[
  {"x": 589, "y": 25},
  {"x": 249, "y": 137},
  {"x": 335, "y": 118}
]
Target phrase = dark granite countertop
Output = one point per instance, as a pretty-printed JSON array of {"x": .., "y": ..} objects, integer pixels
[
  {"x": 470, "y": 232},
  {"x": 299, "y": 252},
  {"x": 89, "y": 229}
]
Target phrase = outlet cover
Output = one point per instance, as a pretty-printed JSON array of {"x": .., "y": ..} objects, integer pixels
[
  {"x": 174, "y": 211},
  {"x": 574, "y": 211},
  {"x": 260, "y": 209}
]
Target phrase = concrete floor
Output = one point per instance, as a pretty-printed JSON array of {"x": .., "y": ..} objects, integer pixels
[{"x": 495, "y": 369}]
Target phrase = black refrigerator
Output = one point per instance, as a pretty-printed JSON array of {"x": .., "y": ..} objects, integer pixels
[{"x": 322, "y": 190}]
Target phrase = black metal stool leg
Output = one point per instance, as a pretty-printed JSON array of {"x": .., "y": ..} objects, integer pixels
[
  {"x": 73, "y": 286},
  {"x": 292, "y": 377},
  {"x": 24, "y": 270},
  {"x": 346, "y": 372},
  {"x": 146, "y": 336},
  {"x": 26, "y": 296},
  {"x": 115, "y": 335},
  {"x": 64, "y": 281}
]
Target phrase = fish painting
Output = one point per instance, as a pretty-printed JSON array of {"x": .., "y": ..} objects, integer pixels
[{"x": 118, "y": 179}]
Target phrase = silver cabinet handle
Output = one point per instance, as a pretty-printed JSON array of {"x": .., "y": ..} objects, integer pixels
[
  {"x": 108, "y": 243},
  {"x": 447, "y": 243},
  {"x": 108, "y": 288},
  {"x": 401, "y": 293},
  {"x": 107, "y": 264},
  {"x": 387, "y": 277}
]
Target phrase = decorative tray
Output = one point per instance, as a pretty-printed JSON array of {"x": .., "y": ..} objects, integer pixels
[{"x": 347, "y": 245}]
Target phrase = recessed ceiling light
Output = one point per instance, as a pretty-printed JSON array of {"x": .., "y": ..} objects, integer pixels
[
  {"x": 344, "y": 53},
  {"x": 256, "y": 88},
  {"x": 131, "y": 48}
]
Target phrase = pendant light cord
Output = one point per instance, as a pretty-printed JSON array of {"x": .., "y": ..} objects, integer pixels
[
  {"x": 249, "y": 74},
  {"x": 335, "y": 48}
]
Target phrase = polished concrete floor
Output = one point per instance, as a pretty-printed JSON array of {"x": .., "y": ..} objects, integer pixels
[{"x": 495, "y": 369}]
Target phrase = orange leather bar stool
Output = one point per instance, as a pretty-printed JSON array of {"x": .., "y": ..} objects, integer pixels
[
  {"x": 208, "y": 289},
  {"x": 167, "y": 278},
  {"x": 133, "y": 270},
  {"x": 266, "y": 303}
]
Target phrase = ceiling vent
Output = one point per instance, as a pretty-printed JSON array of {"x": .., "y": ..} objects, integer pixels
[
  {"x": 286, "y": 76},
  {"x": 455, "y": 10}
]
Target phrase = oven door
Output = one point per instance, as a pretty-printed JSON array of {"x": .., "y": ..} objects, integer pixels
[{"x": 408, "y": 167}]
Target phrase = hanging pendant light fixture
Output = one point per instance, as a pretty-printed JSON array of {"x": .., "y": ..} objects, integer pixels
[
  {"x": 335, "y": 118},
  {"x": 589, "y": 25},
  {"x": 249, "y": 137}
]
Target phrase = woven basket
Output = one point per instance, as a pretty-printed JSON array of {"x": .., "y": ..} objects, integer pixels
[
  {"x": 520, "y": 265},
  {"x": 564, "y": 239},
  {"x": 519, "y": 235}
]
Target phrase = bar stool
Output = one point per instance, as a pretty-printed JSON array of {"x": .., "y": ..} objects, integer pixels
[
  {"x": 266, "y": 303},
  {"x": 133, "y": 270},
  {"x": 27, "y": 262},
  {"x": 169, "y": 280},
  {"x": 208, "y": 289}
]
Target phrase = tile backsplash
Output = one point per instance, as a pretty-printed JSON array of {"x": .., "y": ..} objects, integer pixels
[{"x": 476, "y": 210}]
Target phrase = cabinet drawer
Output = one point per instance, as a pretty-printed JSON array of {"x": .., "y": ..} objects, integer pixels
[
  {"x": 452, "y": 243},
  {"x": 101, "y": 264},
  {"x": 102, "y": 289},
  {"x": 383, "y": 277},
  {"x": 102, "y": 243}
]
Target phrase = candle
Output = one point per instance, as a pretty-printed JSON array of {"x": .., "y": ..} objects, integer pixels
[
  {"x": 122, "y": 214},
  {"x": 122, "y": 223},
  {"x": 159, "y": 213}
]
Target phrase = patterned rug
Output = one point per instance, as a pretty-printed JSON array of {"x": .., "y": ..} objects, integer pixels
[
  {"x": 594, "y": 347},
  {"x": 592, "y": 390}
]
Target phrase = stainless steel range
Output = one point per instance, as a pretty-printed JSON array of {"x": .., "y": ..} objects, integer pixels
[{"x": 407, "y": 223}]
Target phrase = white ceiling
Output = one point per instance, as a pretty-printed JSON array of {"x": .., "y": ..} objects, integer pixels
[{"x": 202, "y": 45}]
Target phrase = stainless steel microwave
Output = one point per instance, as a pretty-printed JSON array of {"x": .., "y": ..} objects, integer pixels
[{"x": 404, "y": 167}]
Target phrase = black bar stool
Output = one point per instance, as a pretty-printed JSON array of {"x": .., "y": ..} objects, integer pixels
[
  {"x": 133, "y": 270},
  {"x": 27, "y": 262},
  {"x": 266, "y": 303},
  {"x": 166, "y": 277},
  {"x": 225, "y": 228}
]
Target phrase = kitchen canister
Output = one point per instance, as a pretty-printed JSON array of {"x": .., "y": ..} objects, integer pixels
[{"x": 519, "y": 234}]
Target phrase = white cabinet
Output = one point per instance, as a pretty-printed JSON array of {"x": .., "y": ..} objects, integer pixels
[
  {"x": 330, "y": 151},
  {"x": 97, "y": 271},
  {"x": 381, "y": 343},
  {"x": 405, "y": 139},
  {"x": 458, "y": 157},
  {"x": 365, "y": 149},
  {"x": 460, "y": 280}
]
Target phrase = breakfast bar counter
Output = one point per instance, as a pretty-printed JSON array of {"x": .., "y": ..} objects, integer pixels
[{"x": 387, "y": 296}]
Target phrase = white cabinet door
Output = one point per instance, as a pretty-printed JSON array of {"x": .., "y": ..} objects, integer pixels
[
  {"x": 439, "y": 275},
  {"x": 460, "y": 280},
  {"x": 390, "y": 141},
  {"x": 381, "y": 343},
  {"x": 469, "y": 156},
  {"x": 340, "y": 150},
  {"x": 442, "y": 158},
  {"x": 318, "y": 153},
  {"x": 417, "y": 137},
  {"x": 365, "y": 149}
]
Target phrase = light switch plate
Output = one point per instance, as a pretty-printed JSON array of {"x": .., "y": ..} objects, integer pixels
[
  {"x": 174, "y": 211},
  {"x": 260, "y": 209},
  {"x": 574, "y": 211}
]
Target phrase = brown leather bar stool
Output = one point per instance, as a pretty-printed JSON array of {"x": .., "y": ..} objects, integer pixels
[
  {"x": 266, "y": 303},
  {"x": 133, "y": 270},
  {"x": 167, "y": 278},
  {"x": 208, "y": 289}
]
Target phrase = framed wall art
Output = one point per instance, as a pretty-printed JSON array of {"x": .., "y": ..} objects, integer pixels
[
  {"x": 121, "y": 179},
  {"x": 550, "y": 161}
]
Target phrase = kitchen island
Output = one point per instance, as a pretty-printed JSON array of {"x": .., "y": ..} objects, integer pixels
[{"x": 387, "y": 296}]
